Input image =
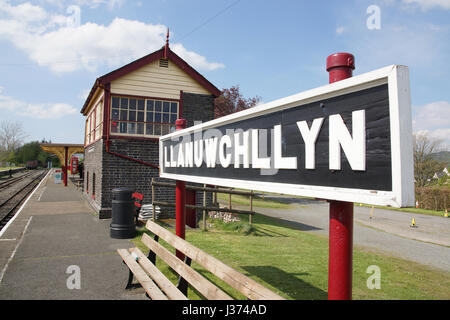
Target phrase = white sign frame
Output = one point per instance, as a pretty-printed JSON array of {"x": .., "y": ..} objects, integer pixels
[{"x": 402, "y": 194}]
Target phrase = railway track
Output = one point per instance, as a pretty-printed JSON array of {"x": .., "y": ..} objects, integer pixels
[
  {"x": 9, "y": 205},
  {"x": 11, "y": 181}
]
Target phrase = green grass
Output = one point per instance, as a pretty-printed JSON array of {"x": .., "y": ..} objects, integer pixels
[
  {"x": 409, "y": 209},
  {"x": 257, "y": 202},
  {"x": 7, "y": 168},
  {"x": 263, "y": 203},
  {"x": 294, "y": 264}
]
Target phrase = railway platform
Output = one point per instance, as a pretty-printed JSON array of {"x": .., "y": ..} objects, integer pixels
[{"x": 56, "y": 248}]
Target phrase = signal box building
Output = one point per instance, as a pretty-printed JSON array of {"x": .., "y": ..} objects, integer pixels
[{"x": 126, "y": 112}]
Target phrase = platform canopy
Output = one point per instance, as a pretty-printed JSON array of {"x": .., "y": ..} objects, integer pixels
[
  {"x": 63, "y": 151},
  {"x": 60, "y": 149}
]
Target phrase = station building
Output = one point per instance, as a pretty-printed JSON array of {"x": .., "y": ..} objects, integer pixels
[{"x": 126, "y": 112}]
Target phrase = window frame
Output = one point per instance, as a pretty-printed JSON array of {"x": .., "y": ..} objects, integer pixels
[
  {"x": 145, "y": 122},
  {"x": 94, "y": 130}
]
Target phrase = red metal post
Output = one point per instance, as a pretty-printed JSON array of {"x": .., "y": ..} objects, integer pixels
[
  {"x": 340, "y": 66},
  {"x": 180, "y": 200},
  {"x": 66, "y": 151}
]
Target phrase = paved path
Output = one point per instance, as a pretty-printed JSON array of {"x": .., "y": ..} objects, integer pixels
[
  {"x": 388, "y": 231},
  {"x": 55, "y": 230}
]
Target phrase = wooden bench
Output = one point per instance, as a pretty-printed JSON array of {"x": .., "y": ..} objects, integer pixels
[{"x": 158, "y": 287}]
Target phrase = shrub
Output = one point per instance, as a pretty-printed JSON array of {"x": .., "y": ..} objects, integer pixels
[{"x": 433, "y": 198}]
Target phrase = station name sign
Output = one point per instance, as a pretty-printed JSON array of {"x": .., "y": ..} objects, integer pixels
[{"x": 349, "y": 141}]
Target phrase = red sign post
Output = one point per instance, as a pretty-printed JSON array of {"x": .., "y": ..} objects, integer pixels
[
  {"x": 340, "y": 66},
  {"x": 180, "y": 200}
]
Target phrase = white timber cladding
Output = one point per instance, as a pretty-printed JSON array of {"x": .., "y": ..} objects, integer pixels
[
  {"x": 94, "y": 118},
  {"x": 159, "y": 82},
  {"x": 98, "y": 94}
]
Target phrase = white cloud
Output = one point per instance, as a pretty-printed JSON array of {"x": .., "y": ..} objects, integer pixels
[
  {"x": 433, "y": 119},
  {"x": 47, "y": 111},
  {"x": 35, "y": 111},
  {"x": 52, "y": 41},
  {"x": 430, "y": 4},
  {"x": 340, "y": 30},
  {"x": 196, "y": 60},
  {"x": 433, "y": 115},
  {"x": 24, "y": 12}
]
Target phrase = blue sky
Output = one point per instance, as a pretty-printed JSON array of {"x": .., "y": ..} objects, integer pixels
[{"x": 51, "y": 51}]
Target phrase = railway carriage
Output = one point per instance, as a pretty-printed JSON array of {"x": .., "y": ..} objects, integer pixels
[{"x": 31, "y": 165}]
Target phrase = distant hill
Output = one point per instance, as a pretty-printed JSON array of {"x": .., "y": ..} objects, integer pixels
[{"x": 443, "y": 156}]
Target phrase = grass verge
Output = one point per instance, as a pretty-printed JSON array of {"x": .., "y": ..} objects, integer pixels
[
  {"x": 294, "y": 263},
  {"x": 257, "y": 202},
  {"x": 7, "y": 168},
  {"x": 409, "y": 209}
]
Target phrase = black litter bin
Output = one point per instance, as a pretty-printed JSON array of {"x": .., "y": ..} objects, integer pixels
[{"x": 122, "y": 216}]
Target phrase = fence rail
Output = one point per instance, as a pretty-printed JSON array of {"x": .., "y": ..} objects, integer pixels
[{"x": 204, "y": 207}]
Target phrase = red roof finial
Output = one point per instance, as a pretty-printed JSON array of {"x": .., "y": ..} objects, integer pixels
[{"x": 166, "y": 48}]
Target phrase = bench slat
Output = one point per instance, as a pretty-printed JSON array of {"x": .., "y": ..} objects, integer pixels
[
  {"x": 148, "y": 285},
  {"x": 250, "y": 288},
  {"x": 158, "y": 277},
  {"x": 204, "y": 286}
]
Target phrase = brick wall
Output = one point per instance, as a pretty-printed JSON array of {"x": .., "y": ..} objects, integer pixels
[
  {"x": 93, "y": 164},
  {"x": 197, "y": 107}
]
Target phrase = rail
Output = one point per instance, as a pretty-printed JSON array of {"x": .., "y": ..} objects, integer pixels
[
  {"x": 17, "y": 198},
  {"x": 13, "y": 180}
]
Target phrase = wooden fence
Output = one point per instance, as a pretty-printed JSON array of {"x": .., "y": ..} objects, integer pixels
[{"x": 204, "y": 207}]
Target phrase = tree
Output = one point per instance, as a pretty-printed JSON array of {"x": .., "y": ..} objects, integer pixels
[
  {"x": 231, "y": 101},
  {"x": 11, "y": 135},
  {"x": 424, "y": 165},
  {"x": 32, "y": 151},
  {"x": 28, "y": 152}
]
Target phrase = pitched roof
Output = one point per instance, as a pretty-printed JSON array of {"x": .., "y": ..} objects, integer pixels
[{"x": 160, "y": 54}]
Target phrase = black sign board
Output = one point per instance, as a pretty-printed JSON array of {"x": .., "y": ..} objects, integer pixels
[{"x": 349, "y": 141}]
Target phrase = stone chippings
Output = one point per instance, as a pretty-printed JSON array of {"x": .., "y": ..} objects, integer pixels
[{"x": 224, "y": 216}]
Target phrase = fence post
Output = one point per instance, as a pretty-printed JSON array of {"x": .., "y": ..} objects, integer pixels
[
  {"x": 340, "y": 66},
  {"x": 251, "y": 207},
  {"x": 153, "y": 201},
  {"x": 229, "y": 199},
  {"x": 204, "y": 211}
]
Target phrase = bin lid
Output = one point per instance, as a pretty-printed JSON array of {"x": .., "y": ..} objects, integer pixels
[
  {"x": 122, "y": 190},
  {"x": 122, "y": 193}
]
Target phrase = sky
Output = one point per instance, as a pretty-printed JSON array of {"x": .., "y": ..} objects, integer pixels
[{"x": 51, "y": 51}]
